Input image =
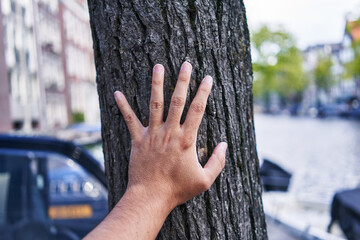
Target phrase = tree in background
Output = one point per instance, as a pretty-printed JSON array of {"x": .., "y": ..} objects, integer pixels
[
  {"x": 323, "y": 75},
  {"x": 78, "y": 117},
  {"x": 130, "y": 37},
  {"x": 352, "y": 68},
  {"x": 277, "y": 64}
]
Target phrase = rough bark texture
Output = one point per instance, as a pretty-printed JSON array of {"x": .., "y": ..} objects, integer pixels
[{"x": 130, "y": 36}]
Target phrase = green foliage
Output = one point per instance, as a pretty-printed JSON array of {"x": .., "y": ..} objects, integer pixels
[
  {"x": 78, "y": 117},
  {"x": 352, "y": 68},
  {"x": 351, "y": 27},
  {"x": 322, "y": 73},
  {"x": 277, "y": 64}
]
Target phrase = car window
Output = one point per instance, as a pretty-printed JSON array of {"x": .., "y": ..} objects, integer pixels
[
  {"x": 4, "y": 185},
  {"x": 21, "y": 192},
  {"x": 96, "y": 151}
]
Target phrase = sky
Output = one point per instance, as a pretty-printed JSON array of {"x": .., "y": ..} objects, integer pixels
[{"x": 310, "y": 21}]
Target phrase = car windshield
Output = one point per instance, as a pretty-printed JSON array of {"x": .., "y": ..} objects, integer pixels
[
  {"x": 21, "y": 189},
  {"x": 96, "y": 150}
]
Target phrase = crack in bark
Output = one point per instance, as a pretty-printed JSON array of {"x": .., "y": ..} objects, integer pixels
[
  {"x": 144, "y": 33},
  {"x": 192, "y": 20},
  {"x": 166, "y": 37}
]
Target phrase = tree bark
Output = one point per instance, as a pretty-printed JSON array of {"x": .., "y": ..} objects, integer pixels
[{"x": 130, "y": 37}]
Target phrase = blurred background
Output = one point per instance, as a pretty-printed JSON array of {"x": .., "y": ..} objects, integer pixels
[
  {"x": 47, "y": 66},
  {"x": 306, "y": 62}
]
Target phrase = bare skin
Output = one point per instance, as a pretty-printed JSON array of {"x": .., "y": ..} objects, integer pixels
[{"x": 164, "y": 170}]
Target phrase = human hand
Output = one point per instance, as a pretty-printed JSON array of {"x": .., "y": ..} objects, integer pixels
[
  {"x": 163, "y": 163},
  {"x": 164, "y": 170}
]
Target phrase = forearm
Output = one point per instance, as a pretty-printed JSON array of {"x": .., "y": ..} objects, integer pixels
[{"x": 131, "y": 216}]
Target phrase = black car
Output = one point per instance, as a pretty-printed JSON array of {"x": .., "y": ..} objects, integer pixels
[{"x": 49, "y": 189}]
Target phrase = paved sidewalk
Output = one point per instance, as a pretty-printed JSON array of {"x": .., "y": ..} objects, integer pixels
[{"x": 277, "y": 231}]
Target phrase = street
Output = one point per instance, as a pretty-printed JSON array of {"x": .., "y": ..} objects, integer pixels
[{"x": 323, "y": 156}]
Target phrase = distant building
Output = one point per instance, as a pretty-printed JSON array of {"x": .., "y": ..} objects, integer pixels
[
  {"x": 50, "y": 64},
  {"x": 311, "y": 56},
  {"x": 345, "y": 87},
  {"x": 20, "y": 70},
  {"x": 5, "y": 120},
  {"x": 78, "y": 59},
  {"x": 46, "y": 65}
]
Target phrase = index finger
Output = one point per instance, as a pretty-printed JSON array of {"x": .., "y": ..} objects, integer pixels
[
  {"x": 198, "y": 105},
  {"x": 133, "y": 123}
]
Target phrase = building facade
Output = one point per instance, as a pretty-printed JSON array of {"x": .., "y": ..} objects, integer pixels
[
  {"x": 50, "y": 64},
  {"x": 313, "y": 96},
  {"x": 20, "y": 64},
  {"x": 47, "y": 65},
  {"x": 5, "y": 122},
  {"x": 79, "y": 67}
]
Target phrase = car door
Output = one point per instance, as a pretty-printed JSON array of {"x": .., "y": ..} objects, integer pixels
[
  {"x": 58, "y": 184},
  {"x": 23, "y": 205},
  {"x": 77, "y": 200}
]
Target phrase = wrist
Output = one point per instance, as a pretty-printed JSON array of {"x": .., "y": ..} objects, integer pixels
[
  {"x": 131, "y": 216},
  {"x": 151, "y": 200}
]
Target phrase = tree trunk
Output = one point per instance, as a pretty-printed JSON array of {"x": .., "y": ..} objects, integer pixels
[{"x": 130, "y": 37}]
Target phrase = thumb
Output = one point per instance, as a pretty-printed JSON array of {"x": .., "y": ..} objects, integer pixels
[{"x": 216, "y": 162}]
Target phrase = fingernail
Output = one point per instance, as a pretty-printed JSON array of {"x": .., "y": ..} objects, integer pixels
[
  {"x": 224, "y": 146},
  {"x": 208, "y": 80},
  {"x": 186, "y": 66},
  {"x": 117, "y": 95},
  {"x": 158, "y": 68}
]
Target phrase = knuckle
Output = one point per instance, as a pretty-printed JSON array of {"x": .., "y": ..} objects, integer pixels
[
  {"x": 198, "y": 107},
  {"x": 178, "y": 101},
  {"x": 182, "y": 78},
  {"x": 156, "y": 105},
  {"x": 156, "y": 82},
  {"x": 129, "y": 118},
  {"x": 221, "y": 162},
  {"x": 204, "y": 89},
  {"x": 188, "y": 141},
  {"x": 205, "y": 184}
]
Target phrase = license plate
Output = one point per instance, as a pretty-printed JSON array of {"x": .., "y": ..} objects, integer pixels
[{"x": 70, "y": 212}]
